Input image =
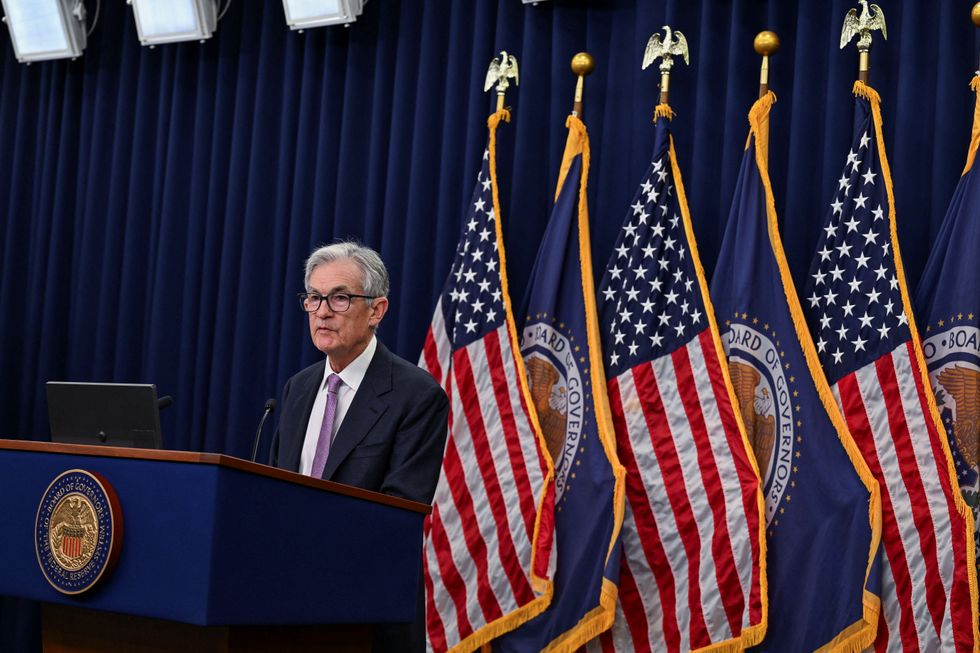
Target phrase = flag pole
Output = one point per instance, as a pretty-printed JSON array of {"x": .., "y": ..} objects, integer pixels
[
  {"x": 870, "y": 19},
  {"x": 766, "y": 44},
  {"x": 975, "y": 17},
  {"x": 582, "y": 64}
]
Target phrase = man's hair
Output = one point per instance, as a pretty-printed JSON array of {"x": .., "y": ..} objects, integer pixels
[{"x": 373, "y": 271}]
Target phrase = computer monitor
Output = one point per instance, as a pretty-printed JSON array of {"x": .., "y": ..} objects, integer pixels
[{"x": 110, "y": 414}]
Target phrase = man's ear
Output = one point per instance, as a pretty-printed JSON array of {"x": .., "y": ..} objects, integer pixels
[{"x": 378, "y": 310}]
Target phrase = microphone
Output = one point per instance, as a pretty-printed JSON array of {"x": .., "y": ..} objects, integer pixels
[
  {"x": 164, "y": 401},
  {"x": 270, "y": 406}
]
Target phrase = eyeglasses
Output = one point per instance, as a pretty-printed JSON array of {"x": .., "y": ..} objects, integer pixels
[{"x": 337, "y": 301}]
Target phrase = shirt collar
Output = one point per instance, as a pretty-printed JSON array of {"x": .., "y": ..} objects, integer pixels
[{"x": 353, "y": 374}]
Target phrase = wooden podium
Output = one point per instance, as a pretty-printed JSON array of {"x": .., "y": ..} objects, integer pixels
[{"x": 218, "y": 554}]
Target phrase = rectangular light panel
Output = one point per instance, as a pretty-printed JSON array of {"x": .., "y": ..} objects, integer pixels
[
  {"x": 302, "y": 14},
  {"x": 44, "y": 29},
  {"x": 168, "y": 21}
]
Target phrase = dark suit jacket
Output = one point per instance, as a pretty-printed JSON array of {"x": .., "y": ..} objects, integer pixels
[{"x": 391, "y": 439}]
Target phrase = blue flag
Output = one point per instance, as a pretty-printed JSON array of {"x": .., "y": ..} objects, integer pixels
[
  {"x": 948, "y": 305},
  {"x": 823, "y": 513},
  {"x": 561, "y": 350}
]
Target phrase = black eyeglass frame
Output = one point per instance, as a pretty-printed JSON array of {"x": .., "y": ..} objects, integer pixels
[{"x": 303, "y": 296}]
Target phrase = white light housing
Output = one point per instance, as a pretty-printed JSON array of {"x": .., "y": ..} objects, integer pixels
[
  {"x": 303, "y": 14},
  {"x": 45, "y": 29},
  {"x": 170, "y": 21}
]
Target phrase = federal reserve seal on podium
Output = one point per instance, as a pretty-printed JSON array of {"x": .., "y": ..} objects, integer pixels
[{"x": 78, "y": 531}]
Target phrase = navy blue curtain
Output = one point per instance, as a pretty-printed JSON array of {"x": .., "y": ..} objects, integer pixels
[{"x": 156, "y": 205}]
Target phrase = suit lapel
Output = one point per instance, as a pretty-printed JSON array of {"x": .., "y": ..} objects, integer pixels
[
  {"x": 368, "y": 406},
  {"x": 305, "y": 396}
]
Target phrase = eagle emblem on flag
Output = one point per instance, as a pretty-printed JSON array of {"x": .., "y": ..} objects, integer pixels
[
  {"x": 963, "y": 385},
  {"x": 756, "y": 409}
]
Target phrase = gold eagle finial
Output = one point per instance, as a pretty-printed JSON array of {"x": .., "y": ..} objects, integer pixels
[
  {"x": 502, "y": 70},
  {"x": 673, "y": 44},
  {"x": 872, "y": 18}
]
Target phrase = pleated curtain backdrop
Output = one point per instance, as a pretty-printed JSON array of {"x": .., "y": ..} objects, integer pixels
[{"x": 157, "y": 204}]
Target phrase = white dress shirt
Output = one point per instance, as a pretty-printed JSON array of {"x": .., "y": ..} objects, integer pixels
[{"x": 350, "y": 381}]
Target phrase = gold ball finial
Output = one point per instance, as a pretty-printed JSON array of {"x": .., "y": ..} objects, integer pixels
[
  {"x": 975, "y": 14},
  {"x": 767, "y": 43},
  {"x": 583, "y": 64}
]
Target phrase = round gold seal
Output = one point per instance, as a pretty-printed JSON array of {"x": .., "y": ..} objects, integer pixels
[{"x": 78, "y": 532}]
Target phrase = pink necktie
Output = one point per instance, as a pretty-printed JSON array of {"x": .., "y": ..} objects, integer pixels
[{"x": 326, "y": 428}]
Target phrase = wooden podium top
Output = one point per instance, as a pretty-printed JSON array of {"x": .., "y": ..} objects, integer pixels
[{"x": 221, "y": 460}]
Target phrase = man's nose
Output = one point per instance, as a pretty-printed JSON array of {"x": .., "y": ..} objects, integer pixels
[{"x": 323, "y": 310}]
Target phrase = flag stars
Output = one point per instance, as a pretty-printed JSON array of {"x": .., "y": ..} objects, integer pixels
[
  {"x": 869, "y": 177},
  {"x": 852, "y": 224}
]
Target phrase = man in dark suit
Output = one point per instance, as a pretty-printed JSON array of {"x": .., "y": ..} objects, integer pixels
[{"x": 361, "y": 416}]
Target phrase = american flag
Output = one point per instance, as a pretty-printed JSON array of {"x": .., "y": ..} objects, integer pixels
[
  {"x": 859, "y": 314},
  {"x": 692, "y": 566},
  {"x": 487, "y": 543}
]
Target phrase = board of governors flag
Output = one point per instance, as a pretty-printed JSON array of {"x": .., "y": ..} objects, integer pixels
[
  {"x": 823, "y": 510},
  {"x": 860, "y": 315},
  {"x": 692, "y": 575},
  {"x": 948, "y": 304},
  {"x": 560, "y": 345},
  {"x": 487, "y": 543}
]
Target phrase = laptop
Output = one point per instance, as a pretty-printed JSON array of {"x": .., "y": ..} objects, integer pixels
[{"x": 108, "y": 414}]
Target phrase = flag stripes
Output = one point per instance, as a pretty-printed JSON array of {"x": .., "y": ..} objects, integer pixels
[
  {"x": 883, "y": 399},
  {"x": 485, "y": 410},
  {"x": 692, "y": 557}
]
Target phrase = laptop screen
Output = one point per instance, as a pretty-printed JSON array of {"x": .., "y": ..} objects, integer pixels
[{"x": 110, "y": 414}]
